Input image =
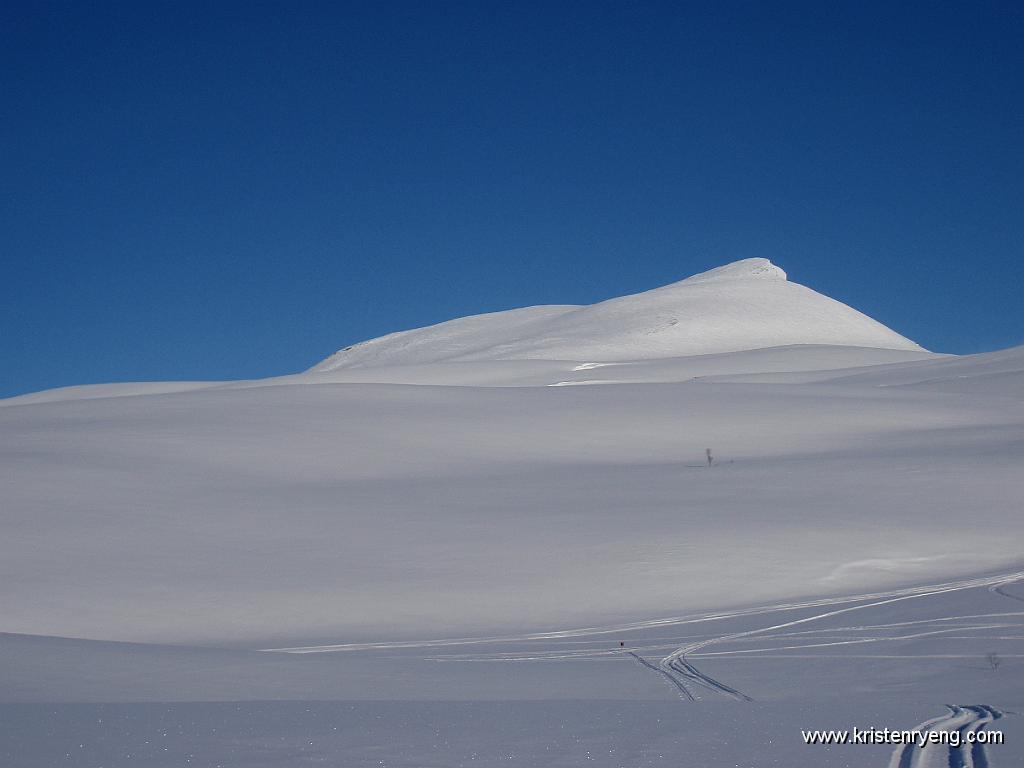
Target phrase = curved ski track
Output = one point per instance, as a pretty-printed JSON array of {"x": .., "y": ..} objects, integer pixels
[
  {"x": 677, "y": 667},
  {"x": 676, "y": 661},
  {"x": 966, "y": 719}
]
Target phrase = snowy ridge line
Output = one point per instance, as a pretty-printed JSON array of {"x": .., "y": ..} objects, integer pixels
[{"x": 903, "y": 593}]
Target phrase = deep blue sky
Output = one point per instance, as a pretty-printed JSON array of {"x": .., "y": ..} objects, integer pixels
[{"x": 208, "y": 190}]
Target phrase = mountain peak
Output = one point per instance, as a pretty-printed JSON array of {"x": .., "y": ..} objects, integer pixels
[
  {"x": 744, "y": 269},
  {"x": 747, "y": 304}
]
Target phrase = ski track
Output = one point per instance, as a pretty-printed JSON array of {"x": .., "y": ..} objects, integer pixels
[
  {"x": 964, "y": 719},
  {"x": 690, "y": 672},
  {"x": 676, "y": 659},
  {"x": 678, "y": 685},
  {"x": 1000, "y": 589},
  {"x": 880, "y": 598},
  {"x": 678, "y": 670}
]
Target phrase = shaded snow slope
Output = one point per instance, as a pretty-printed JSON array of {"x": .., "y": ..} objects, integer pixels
[
  {"x": 748, "y": 304},
  {"x": 304, "y": 514},
  {"x": 999, "y": 373}
]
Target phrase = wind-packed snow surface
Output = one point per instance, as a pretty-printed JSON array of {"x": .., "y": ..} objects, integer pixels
[{"x": 485, "y": 513}]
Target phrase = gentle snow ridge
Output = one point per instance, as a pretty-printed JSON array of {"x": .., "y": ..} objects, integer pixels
[{"x": 748, "y": 304}]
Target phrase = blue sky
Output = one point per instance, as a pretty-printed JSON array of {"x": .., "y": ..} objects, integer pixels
[{"x": 217, "y": 190}]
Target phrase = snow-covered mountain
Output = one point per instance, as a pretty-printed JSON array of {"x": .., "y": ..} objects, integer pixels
[
  {"x": 748, "y": 304},
  {"x": 429, "y": 507}
]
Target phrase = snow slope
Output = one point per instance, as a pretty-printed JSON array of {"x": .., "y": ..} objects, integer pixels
[
  {"x": 988, "y": 373},
  {"x": 1000, "y": 372},
  {"x": 566, "y": 698},
  {"x": 748, "y": 304},
  {"x": 489, "y": 529},
  {"x": 296, "y": 512},
  {"x": 811, "y": 361}
]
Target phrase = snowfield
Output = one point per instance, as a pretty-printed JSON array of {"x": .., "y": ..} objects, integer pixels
[{"x": 517, "y": 509}]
